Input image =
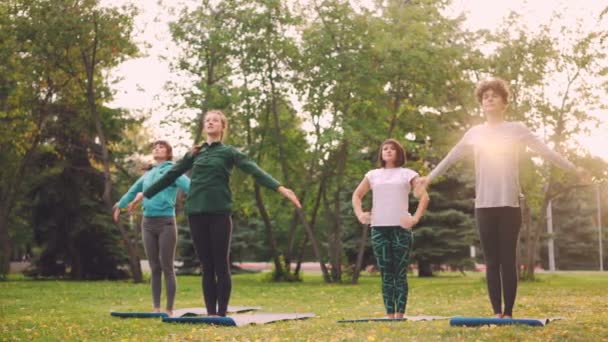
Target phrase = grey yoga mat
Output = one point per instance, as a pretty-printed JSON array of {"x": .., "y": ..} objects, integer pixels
[{"x": 241, "y": 319}]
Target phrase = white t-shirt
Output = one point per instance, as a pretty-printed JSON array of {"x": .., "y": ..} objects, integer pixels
[{"x": 390, "y": 190}]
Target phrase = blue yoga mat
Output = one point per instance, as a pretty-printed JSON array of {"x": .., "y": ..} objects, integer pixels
[
  {"x": 479, "y": 321},
  {"x": 226, "y": 321},
  {"x": 139, "y": 314},
  {"x": 185, "y": 312}
]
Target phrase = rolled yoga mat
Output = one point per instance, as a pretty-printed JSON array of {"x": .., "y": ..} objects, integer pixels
[
  {"x": 241, "y": 319},
  {"x": 479, "y": 321},
  {"x": 405, "y": 318},
  {"x": 180, "y": 312}
]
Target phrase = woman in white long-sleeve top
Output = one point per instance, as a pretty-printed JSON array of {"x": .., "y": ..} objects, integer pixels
[{"x": 495, "y": 145}]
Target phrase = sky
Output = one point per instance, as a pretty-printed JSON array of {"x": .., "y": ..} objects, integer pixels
[{"x": 140, "y": 86}]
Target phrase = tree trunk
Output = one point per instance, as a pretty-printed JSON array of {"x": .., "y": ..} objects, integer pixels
[
  {"x": 310, "y": 234},
  {"x": 90, "y": 64},
  {"x": 274, "y": 250},
  {"x": 425, "y": 269},
  {"x": 5, "y": 242},
  {"x": 360, "y": 253}
]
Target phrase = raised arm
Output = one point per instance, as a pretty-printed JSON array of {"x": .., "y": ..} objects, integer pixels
[
  {"x": 250, "y": 167},
  {"x": 456, "y": 153},
  {"x": 128, "y": 197},
  {"x": 183, "y": 182},
  {"x": 131, "y": 193},
  {"x": 262, "y": 177},
  {"x": 363, "y": 188},
  {"x": 171, "y": 176},
  {"x": 541, "y": 148}
]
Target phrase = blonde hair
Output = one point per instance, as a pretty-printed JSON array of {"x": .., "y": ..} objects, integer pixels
[{"x": 223, "y": 119}]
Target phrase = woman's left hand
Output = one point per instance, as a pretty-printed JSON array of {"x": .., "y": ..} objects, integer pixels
[
  {"x": 408, "y": 221},
  {"x": 290, "y": 196}
]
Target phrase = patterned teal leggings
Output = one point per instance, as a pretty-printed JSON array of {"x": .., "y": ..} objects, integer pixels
[{"x": 392, "y": 246}]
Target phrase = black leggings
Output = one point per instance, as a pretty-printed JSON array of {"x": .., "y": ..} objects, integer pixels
[
  {"x": 211, "y": 235},
  {"x": 498, "y": 231}
]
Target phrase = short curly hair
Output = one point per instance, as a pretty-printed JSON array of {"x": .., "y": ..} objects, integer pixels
[{"x": 497, "y": 85}]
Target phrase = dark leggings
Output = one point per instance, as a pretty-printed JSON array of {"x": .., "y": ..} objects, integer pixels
[
  {"x": 211, "y": 235},
  {"x": 392, "y": 246},
  {"x": 498, "y": 230}
]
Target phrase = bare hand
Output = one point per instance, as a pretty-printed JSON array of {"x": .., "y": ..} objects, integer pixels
[
  {"x": 423, "y": 182},
  {"x": 408, "y": 221},
  {"x": 136, "y": 200},
  {"x": 365, "y": 217},
  {"x": 290, "y": 196},
  {"x": 116, "y": 213}
]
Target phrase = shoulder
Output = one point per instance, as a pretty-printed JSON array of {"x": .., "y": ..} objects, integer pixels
[
  {"x": 408, "y": 173},
  {"x": 518, "y": 129},
  {"x": 517, "y": 125},
  {"x": 475, "y": 129},
  {"x": 371, "y": 174}
]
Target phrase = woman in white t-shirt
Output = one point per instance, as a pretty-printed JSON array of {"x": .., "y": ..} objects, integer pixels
[{"x": 390, "y": 221}]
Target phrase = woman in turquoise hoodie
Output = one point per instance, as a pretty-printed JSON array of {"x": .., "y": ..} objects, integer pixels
[{"x": 159, "y": 230}]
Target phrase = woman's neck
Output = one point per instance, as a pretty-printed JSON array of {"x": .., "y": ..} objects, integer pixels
[
  {"x": 213, "y": 138},
  {"x": 495, "y": 119}
]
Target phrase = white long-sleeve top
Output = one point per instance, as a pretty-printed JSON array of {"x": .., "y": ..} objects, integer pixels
[{"x": 496, "y": 150}]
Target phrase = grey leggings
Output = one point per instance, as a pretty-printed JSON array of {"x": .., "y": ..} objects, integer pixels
[{"x": 160, "y": 237}]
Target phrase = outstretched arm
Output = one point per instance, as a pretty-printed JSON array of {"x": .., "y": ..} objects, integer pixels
[
  {"x": 128, "y": 197},
  {"x": 456, "y": 153},
  {"x": 363, "y": 188},
  {"x": 541, "y": 148},
  {"x": 168, "y": 178},
  {"x": 262, "y": 177}
]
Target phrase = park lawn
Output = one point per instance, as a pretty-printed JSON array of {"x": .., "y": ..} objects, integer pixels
[{"x": 75, "y": 310}]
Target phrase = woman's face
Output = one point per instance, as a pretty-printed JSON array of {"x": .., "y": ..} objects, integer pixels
[
  {"x": 212, "y": 124},
  {"x": 159, "y": 152},
  {"x": 389, "y": 154},
  {"x": 492, "y": 103}
]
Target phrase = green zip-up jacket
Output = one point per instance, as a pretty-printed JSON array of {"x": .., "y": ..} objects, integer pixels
[{"x": 209, "y": 184}]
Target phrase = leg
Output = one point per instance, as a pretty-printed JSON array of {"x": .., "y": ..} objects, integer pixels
[
  {"x": 201, "y": 237},
  {"x": 382, "y": 252},
  {"x": 221, "y": 234},
  {"x": 150, "y": 239},
  {"x": 167, "y": 242},
  {"x": 402, "y": 245},
  {"x": 509, "y": 231},
  {"x": 487, "y": 224}
]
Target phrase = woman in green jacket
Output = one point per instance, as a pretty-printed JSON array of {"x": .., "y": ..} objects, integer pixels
[{"x": 209, "y": 205}]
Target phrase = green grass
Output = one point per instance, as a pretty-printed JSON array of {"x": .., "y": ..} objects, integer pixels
[{"x": 70, "y": 310}]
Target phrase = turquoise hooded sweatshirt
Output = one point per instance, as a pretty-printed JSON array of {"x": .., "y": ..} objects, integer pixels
[{"x": 163, "y": 204}]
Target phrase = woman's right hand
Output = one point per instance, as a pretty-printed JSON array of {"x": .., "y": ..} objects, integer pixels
[
  {"x": 365, "y": 217},
  {"x": 116, "y": 212},
  {"x": 138, "y": 197}
]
